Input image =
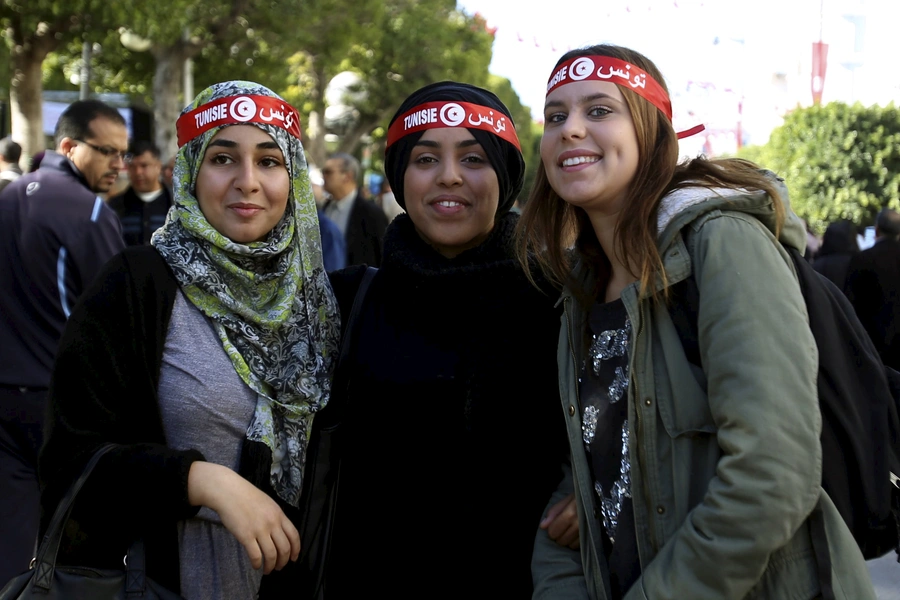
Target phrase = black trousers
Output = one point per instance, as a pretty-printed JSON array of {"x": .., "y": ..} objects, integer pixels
[{"x": 21, "y": 426}]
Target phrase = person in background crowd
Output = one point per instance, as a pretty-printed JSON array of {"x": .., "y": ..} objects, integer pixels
[
  {"x": 204, "y": 357},
  {"x": 690, "y": 483},
  {"x": 452, "y": 385},
  {"x": 360, "y": 221},
  {"x": 388, "y": 202},
  {"x": 334, "y": 248},
  {"x": 10, "y": 153},
  {"x": 168, "y": 170},
  {"x": 55, "y": 237},
  {"x": 873, "y": 287},
  {"x": 838, "y": 247},
  {"x": 142, "y": 207}
]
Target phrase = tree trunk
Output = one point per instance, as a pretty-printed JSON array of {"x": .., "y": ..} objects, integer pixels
[
  {"x": 351, "y": 139},
  {"x": 316, "y": 150},
  {"x": 26, "y": 110},
  {"x": 167, "y": 80}
]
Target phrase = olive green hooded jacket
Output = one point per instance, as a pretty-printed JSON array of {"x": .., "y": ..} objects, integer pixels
[{"x": 723, "y": 480}]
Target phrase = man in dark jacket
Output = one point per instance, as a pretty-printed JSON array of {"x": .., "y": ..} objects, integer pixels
[
  {"x": 873, "y": 286},
  {"x": 142, "y": 208},
  {"x": 361, "y": 221},
  {"x": 55, "y": 236}
]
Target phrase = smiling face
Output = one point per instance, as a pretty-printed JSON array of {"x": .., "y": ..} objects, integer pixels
[
  {"x": 589, "y": 147},
  {"x": 243, "y": 183},
  {"x": 451, "y": 190}
]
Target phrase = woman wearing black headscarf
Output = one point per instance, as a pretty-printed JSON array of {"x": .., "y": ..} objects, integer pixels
[
  {"x": 838, "y": 247},
  {"x": 452, "y": 446}
]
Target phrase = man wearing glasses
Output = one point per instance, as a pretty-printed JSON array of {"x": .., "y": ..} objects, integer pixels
[{"x": 55, "y": 236}]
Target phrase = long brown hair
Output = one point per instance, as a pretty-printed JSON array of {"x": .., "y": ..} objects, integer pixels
[{"x": 550, "y": 227}]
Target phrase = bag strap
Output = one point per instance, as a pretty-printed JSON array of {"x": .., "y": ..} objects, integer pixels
[
  {"x": 45, "y": 561},
  {"x": 348, "y": 341},
  {"x": 358, "y": 301}
]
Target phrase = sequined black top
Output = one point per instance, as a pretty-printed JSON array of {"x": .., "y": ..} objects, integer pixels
[{"x": 604, "y": 426}]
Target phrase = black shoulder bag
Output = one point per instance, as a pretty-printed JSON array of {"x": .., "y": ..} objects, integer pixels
[
  {"x": 46, "y": 580},
  {"x": 323, "y": 467}
]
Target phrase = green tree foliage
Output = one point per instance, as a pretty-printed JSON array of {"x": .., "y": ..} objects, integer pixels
[
  {"x": 183, "y": 29},
  {"x": 32, "y": 29},
  {"x": 838, "y": 161},
  {"x": 409, "y": 44},
  {"x": 326, "y": 31},
  {"x": 294, "y": 47},
  {"x": 529, "y": 135}
]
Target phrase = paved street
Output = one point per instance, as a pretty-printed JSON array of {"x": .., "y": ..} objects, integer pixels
[{"x": 886, "y": 577}]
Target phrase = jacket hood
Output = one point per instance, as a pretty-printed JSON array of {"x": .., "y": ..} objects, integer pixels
[{"x": 681, "y": 207}]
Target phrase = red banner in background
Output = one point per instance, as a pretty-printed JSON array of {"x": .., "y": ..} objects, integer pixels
[{"x": 819, "y": 64}]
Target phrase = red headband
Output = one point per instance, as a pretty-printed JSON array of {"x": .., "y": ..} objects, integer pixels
[
  {"x": 627, "y": 75},
  {"x": 441, "y": 114},
  {"x": 237, "y": 109}
]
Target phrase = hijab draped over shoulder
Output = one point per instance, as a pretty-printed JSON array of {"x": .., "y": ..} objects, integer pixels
[{"x": 269, "y": 301}]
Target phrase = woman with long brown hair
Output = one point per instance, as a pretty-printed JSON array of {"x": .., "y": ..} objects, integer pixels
[{"x": 691, "y": 482}]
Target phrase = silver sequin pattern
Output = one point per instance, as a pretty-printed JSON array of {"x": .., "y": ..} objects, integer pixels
[
  {"x": 589, "y": 424},
  {"x": 611, "y": 505},
  {"x": 609, "y": 343},
  {"x": 619, "y": 385}
]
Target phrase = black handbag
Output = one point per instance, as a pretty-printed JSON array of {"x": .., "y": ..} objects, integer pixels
[
  {"x": 46, "y": 581},
  {"x": 322, "y": 470}
]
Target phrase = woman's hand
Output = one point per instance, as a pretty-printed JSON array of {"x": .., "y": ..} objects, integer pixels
[
  {"x": 255, "y": 519},
  {"x": 561, "y": 523}
]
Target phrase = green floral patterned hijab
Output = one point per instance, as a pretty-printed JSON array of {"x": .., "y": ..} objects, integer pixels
[{"x": 269, "y": 301}]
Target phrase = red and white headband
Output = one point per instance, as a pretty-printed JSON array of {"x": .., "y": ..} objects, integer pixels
[
  {"x": 237, "y": 110},
  {"x": 442, "y": 114},
  {"x": 624, "y": 74}
]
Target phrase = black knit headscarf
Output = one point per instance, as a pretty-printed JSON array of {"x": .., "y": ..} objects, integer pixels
[{"x": 504, "y": 157}]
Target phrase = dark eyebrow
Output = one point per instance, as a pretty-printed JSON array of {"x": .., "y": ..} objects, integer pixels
[
  {"x": 582, "y": 100},
  {"x": 433, "y": 144},
  {"x": 232, "y": 144}
]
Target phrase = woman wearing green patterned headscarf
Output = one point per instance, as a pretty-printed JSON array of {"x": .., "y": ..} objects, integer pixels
[{"x": 205, "y": 357}]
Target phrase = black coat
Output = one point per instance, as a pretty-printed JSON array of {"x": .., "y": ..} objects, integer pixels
[
  {"x": 454, "y": 442},
  {"x": 140, "y": 219},
  {"x": 365, "y": 233},
  {"x": 873, "y": 286}
]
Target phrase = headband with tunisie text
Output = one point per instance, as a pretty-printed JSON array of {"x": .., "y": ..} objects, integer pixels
[
  {"x": 236, "y": 110},
  {"x": 441, "y": 114},
  {"x": 606, "y": 68}
]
